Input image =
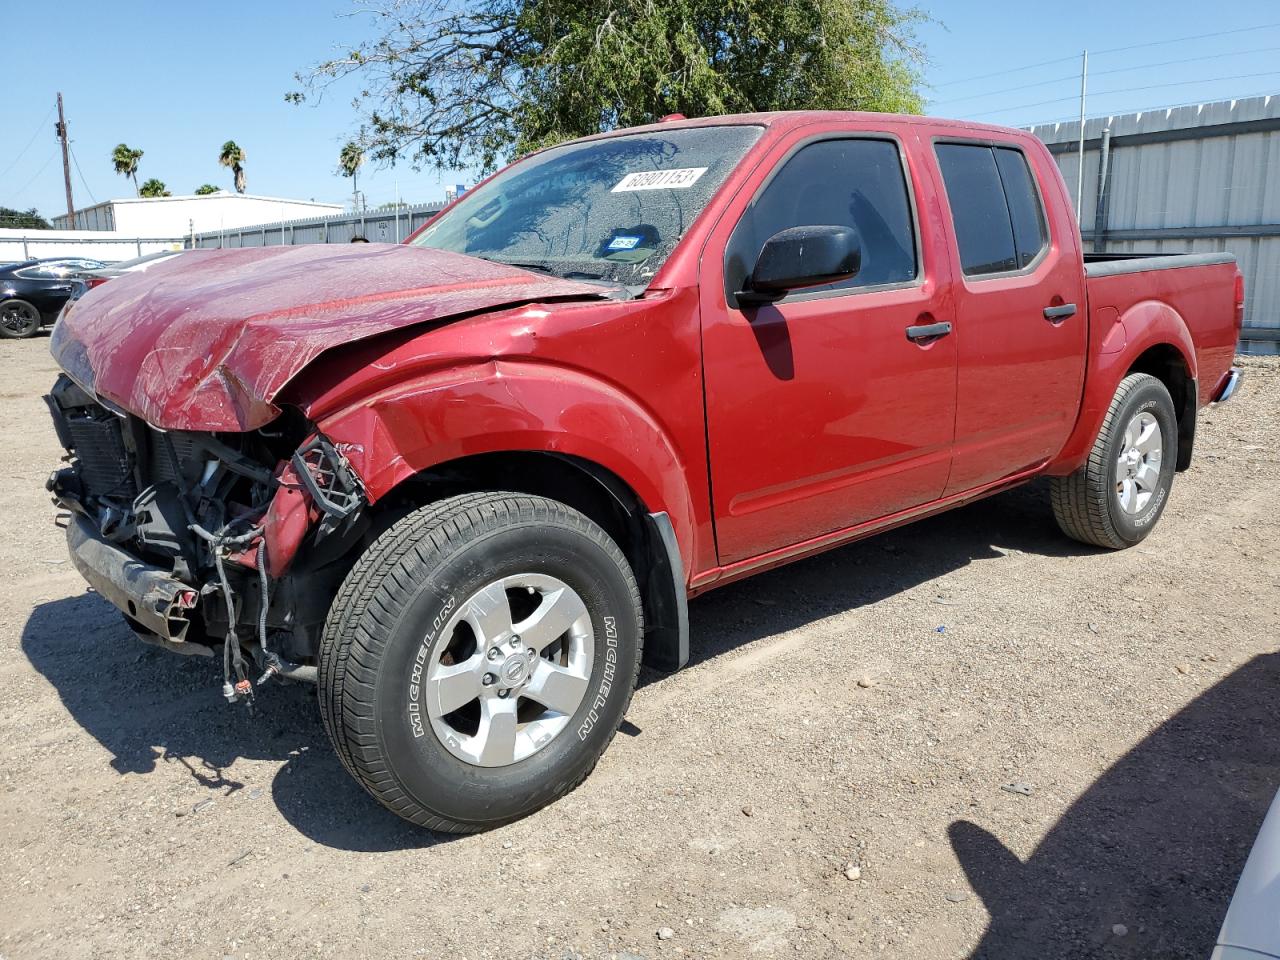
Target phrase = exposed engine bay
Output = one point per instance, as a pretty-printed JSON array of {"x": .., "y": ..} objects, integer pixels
[{"x": 207, "y": 540}]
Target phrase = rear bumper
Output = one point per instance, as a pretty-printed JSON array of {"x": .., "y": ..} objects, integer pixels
[
  {"x": 1229, "y": 386},
  {"x": 148, "y": 595}
]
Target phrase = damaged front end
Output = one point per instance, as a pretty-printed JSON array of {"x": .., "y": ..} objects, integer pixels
[{"x": 203, "y": 539}]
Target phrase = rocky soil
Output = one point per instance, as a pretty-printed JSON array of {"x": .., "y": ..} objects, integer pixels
[{"x": 967, "y": 737}]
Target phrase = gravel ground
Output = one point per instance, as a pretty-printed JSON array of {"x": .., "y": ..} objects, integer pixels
[{"x": 969, "y": 736}]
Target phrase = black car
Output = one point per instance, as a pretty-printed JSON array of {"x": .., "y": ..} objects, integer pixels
[{"x": 33, "y": 293}]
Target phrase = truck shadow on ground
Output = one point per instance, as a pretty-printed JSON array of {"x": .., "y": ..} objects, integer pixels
[
  {"x": 868, "y": 571},
  {"x": 1155, "y": 845},
  {"x": 148, "y": 707}
]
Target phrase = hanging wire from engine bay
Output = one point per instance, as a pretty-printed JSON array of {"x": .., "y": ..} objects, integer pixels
[{"x": 232, "y": 655}]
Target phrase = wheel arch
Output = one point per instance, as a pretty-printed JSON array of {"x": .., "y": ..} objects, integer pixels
[
  {"x": 647, "y": 537},
  {"x": 1154, "y": 339},
  {"x": 1170, "y": 366}
]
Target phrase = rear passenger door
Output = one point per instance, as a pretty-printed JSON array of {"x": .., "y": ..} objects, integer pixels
[
  {"x": 1019, "y": 310},
  {"x": 822, "y": 413}
]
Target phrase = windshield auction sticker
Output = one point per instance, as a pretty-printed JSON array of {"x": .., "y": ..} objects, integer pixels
[{"x": 677, "y": 179}]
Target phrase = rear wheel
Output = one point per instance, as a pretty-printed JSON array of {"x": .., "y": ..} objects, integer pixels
[
  {"x": 479, "y": 658},
  {"x": 1117, "y": 497},
  {"x": 18, "y": 319}
]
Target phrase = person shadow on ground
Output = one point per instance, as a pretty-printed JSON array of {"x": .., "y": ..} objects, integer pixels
[{"x": 1144, "y": 863}]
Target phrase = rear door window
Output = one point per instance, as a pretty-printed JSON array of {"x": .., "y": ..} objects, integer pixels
[
  {"x": 1030, "y": 234},
  {"x": 999, "y": 222}
]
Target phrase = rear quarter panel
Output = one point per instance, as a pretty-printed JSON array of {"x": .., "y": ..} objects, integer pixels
[{"x": 1190, "y": 308}]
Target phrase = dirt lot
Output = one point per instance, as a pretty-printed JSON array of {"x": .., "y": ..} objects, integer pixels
[{"x": 1131, "y": 697}]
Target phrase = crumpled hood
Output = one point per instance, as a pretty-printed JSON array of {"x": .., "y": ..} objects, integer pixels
[{"x": 206, "y": 340}]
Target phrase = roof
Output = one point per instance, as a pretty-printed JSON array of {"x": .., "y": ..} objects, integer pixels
[
  {"x": 220, "y": 195},
  {"x": 223, "y": 195},
  {"x": 790, "y": 119}
]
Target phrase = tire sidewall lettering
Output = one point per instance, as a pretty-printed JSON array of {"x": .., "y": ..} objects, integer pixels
[
  {"x": 606, "y": 679},
  {"x": 419, "y": 664}
]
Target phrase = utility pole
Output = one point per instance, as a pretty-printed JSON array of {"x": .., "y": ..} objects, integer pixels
[
  {"x": 66, "y": 164},
  {"x": 1084, "y": 76}
]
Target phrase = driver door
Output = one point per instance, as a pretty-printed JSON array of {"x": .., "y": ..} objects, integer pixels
[{"x": 822, "y": 412}]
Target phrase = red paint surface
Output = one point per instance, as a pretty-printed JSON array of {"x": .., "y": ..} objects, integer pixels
[
  {"x": 206, "y": 340},
  {"x": 814, "y": 422}
]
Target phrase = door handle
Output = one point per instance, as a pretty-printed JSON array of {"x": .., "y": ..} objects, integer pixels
[
  {"x": 1056, "y": 315},
  {"x": 928, "y": 332}
]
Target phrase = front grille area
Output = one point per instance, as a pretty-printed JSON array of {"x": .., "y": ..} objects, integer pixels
[
  {"x": 105, "y": 470},
  {"x": 160, "y": 467}
]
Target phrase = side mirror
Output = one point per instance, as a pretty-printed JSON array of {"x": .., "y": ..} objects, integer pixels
[{"x": 803, "y": 257}]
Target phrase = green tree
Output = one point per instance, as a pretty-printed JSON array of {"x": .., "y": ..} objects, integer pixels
[
  {"x": 232, "y": 157},
  {"x": 154, "y": 188},
  {"x": 455, "y": 85},
  {"x": 24, "y": 219},
  {"x": 205, "y": 189},
  {"x": 125, "y": 159},
  {"x": 349, "y": 160}
]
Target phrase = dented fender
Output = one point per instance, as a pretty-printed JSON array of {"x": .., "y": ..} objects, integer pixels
[{"x": 509, "y": 405}]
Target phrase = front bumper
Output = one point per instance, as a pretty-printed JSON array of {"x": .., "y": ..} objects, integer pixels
[
  {"x": 1229, "y": 386},
  {"x": 150, "y": 596}
]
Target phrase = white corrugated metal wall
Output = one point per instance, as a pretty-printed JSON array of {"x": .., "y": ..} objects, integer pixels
[
  {"x": 376, "y": 226},
  {"x": 1186, "y": 179}
]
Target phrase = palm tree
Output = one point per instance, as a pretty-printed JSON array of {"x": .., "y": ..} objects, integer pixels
[
  {"x": 154, "y": 188},
  {"x": 232, "y": 156},
  {"x": 126, "y": 160},
  {"x": 205, "y": 189},
  {"x": 349, "y": 161}
]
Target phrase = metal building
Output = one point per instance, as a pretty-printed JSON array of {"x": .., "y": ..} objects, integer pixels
[
  {"x": 1188, "y": 179},
  {"x": 376, "y": 226}
]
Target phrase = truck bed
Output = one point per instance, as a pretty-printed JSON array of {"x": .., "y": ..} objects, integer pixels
[
  {"x": 1110, "y": 264},
  {"x": 1197, "y": 287}
]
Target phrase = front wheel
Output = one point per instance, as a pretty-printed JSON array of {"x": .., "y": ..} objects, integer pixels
[
  {"x": 18, "y": 319},
  {"x": 1115, "y": 499},
  {"x": 479, "y": 658}
]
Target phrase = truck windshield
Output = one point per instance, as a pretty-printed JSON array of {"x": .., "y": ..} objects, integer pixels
[{"x": 610, "y": 210}]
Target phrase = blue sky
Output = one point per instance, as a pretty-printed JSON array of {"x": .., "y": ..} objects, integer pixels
[{"x": 178, "y": 79}]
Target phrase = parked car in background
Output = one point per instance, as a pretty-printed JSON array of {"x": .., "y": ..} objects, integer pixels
[
  {"x": 462, "y": 483},
  {"x": 99, "y": 276},
  {"x": 33, "y": 293}
]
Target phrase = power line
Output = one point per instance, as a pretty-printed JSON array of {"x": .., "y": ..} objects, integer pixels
[
  {"x": 1194, "y": 36},
  {"x": 1136, "y": 46},
  {"x": 1100, "y": 93},
  {"x": 23, "y": 151},
  {"x": 46, "y": 163},
  {"x": 83, "y": 182},
  {"x": 1103, "y": 73},
  {"x": 1002, "y": 73}
]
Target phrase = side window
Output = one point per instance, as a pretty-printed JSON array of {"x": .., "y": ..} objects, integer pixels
[
  {"x": 37, "y": 273},
  {"x": 994, "y": 206},
  {"x": 978, "y": 209},
  {"x": 1030, "y": 235},
  {"x": 857, "y": 183}
]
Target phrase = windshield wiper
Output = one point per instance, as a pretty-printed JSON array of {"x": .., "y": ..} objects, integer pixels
[
  {"x": 537, "y": 267},
  {"x": 543, "y": 268}
]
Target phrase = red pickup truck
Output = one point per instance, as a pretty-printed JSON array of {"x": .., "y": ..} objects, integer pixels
[{"x": 461, "y": 482}]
